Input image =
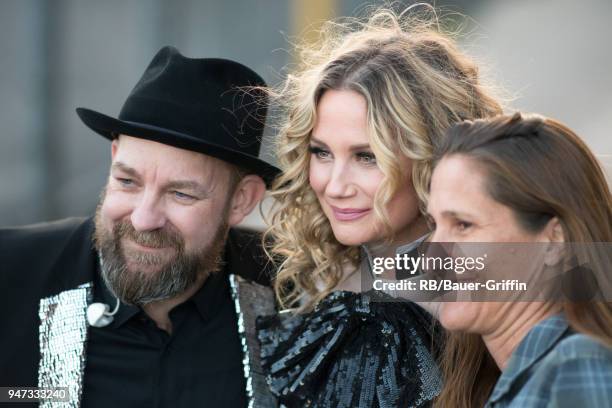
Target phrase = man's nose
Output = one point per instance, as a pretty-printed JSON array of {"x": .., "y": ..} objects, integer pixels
[
  {"x": 341, "y": 183},
  {"x": 148, "y": 214}
]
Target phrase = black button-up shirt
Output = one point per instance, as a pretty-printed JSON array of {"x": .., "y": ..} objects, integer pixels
[{"x": 133, "y": 363}]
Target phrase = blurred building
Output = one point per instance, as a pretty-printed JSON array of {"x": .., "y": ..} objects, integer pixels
[{"x": 60, "y": 54}]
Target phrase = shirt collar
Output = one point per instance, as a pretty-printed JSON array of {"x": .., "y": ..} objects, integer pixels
[
  {"x": 103, "y": 294},
  {"x": 210, "y": 297},
  {"x": 369, "y": 252},
  {"x": 369, "y": 275},
  {"x": 540, "y": 340}
]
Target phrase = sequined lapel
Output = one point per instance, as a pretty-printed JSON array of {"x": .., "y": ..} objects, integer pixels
[
  {"x": 62, "y": 337},
  {"x": 252, "y": 300}
]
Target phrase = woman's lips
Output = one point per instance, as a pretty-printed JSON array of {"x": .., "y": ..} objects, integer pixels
[{"x": 349, "y": 214}]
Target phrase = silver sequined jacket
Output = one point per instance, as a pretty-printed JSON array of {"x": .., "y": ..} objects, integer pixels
[{"x": 46, "y": 275}]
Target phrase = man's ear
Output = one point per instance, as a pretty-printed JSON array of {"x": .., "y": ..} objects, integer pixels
[
  {"x": 553, "y": 233},
  {"x": 248, "y": 193},
  {"x": 114, "y": 147}
]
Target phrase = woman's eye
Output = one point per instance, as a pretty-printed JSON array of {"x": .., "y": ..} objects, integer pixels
[
  {"x": 319, "y": 152},
  {"x": 366, "y": 158},
  {"x": 463, "y": 225}
]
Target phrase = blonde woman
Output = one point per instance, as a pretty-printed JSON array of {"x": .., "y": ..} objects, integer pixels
[{"x": 363, "y": 115}]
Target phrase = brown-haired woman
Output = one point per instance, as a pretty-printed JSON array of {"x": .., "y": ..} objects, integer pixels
[{"x": 528, "y": 180}]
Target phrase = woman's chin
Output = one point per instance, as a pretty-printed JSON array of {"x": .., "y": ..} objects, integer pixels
[
  {"x": 458, "y": 316},
  {"x": 348, "y": 239}
]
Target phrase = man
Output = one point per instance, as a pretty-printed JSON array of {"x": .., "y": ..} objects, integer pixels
[{"x": 140, "y": 306}]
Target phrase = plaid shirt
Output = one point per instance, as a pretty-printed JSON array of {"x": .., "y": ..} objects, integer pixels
[{"x": 554, "y": 367}]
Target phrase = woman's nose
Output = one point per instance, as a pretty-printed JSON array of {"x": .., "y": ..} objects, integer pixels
[
  {"x": 341, "y": 181},
  {"x": 438, "y": 235}
]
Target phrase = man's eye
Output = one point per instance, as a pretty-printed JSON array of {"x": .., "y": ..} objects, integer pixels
[
  {"x": 126, "y": 182},
  {"x": 183, "y": 196},
  {"x": 366, "y": 158},
  {"x": 319, "y": 153}
]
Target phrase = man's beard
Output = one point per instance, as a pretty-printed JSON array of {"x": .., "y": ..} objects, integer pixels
[{"x": 137, "y": 277}]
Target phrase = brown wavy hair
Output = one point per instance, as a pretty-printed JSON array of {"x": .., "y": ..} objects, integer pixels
[
  {"x": 540, "y": 169},
  {"x": 416, "y": 83}
]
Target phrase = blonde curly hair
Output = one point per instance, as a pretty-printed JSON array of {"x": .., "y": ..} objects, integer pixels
[{"x": 416, "y": 84}]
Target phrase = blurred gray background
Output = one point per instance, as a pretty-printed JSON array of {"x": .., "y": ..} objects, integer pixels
[{"x": 553, "y": 55}]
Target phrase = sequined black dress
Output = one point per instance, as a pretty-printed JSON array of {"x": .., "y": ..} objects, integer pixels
[{"x": 353, "y": 350}]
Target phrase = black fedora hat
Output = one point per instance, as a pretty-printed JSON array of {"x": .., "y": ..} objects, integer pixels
[{"x": 194, "y": 104}]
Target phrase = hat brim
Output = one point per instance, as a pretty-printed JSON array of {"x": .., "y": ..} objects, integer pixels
[{"x": 110, "y": 128}]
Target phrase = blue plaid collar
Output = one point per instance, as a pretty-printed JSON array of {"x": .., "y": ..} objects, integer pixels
[{"x": 540, "y": 340}]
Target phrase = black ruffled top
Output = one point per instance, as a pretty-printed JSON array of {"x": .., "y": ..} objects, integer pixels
[{"x": 354, "y": 350}]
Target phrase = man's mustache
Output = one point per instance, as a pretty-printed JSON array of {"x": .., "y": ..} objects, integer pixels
[{"x": 160, "y": 238}]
